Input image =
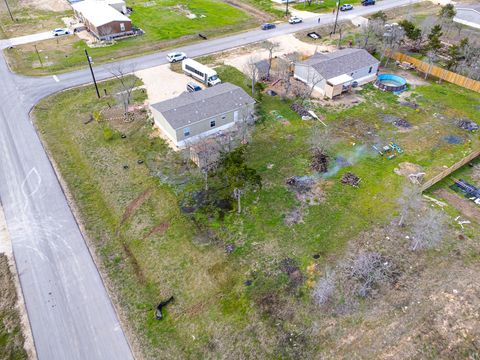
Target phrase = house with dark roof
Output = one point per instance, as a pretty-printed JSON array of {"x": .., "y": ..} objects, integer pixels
[
  {"x": 188, "y": 117},
  {"x": 331, "y": 74}
]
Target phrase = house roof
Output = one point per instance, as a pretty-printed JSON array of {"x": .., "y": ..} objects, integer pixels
[
  {"x": 189, "y": 108},
  {"x": 345, "y": 61},
  {"x": 99, "y": 13}
]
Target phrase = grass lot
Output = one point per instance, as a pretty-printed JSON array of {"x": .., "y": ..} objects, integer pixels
[
  {"x": 29, "y": 21},
  {"x": 150, "y": 250},
  {"x": 165, "y": 24},
  {"x": 324, "y": 6},
  {"x": 11, "y": 338}
]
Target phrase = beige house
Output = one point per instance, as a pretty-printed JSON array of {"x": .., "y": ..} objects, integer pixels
[
  {"x": 191, "y": 116},
  {"x": 331, "y": 74}
]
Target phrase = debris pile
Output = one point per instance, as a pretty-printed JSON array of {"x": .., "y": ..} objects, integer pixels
[
  {"x": 158, "y": 310},
  {"x": 300, "y": 110},
  {"x": 301, "y": 184},
  {"x": 402, "y": 123},
  {"x": 467, "y": 124},
  {"x": 319, "y": 161},
  {"x": 350, "y": 179}
]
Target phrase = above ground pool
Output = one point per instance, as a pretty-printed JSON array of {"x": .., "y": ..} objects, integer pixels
[{"x": 390, "y": 82}]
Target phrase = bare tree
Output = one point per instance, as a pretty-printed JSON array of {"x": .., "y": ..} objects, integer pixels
[
  {"x": 392, "y": 39},
  {"x": 431, "y": 57},
  {"x": 324, "y": 288},
  {"x": 270, "y": 47},
  {"x": 251, "y": 69},
  {"x": 128, "y": 82},
  {"x": 409, "y": 200},
  {"x": 428, "y": 230}
]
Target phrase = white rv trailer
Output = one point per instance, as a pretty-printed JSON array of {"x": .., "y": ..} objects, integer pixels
[{"x": 200, "y": 72}]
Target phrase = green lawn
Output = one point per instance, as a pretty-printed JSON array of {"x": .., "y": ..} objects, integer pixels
[
  {"x": 165, "y": 24},
  {"x": 324, "y": 6},
  {"x": 29, "y": 20},
  {"x": 150, "y": 250}
]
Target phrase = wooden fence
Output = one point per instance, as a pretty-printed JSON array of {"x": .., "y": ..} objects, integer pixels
[
  {"x": 438, "y": 72},
  {"x": 450, "y": 170}
]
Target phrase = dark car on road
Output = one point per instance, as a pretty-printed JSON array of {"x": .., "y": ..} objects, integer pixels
[
  {"x": 346, "y": 7},
  {"x": 368, "y": 2},
  {"x": 268, "y": 26}
]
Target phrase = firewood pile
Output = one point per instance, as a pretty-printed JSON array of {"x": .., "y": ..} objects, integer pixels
[
  {"x": 350, "y": 179},
  {"x": 319, "y": 161}
]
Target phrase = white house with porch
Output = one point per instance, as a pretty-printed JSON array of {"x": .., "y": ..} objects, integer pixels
[{"x": 331, "y": 74}]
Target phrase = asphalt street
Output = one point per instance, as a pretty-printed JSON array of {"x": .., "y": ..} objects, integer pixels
[{"x": 68, "y": 306}]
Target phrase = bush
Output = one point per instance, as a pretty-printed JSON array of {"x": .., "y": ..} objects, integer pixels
[{"x": 108, "y": 134}]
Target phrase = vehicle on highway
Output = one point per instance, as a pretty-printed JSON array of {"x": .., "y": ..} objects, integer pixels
[
  {"x": 346, "y": 7},
  {"x": 268, "y": 26},
  {"x": 176, "y": 56},
  {"x": 192, "y": 87},
  {"x": 295, "y": 20},
  {"x": 60, "y": 32},
  {"x": 368, "y": 2},
  {"x": 200, "y": 72}
]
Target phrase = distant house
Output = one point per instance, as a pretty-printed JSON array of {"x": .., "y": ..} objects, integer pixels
[
  {"x": 334, "y": 73},
  {"x": 190, "y": 116},
  {"x": 102, "y": 19}
]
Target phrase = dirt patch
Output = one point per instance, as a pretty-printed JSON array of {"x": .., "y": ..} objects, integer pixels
[
  {"x": 466, "y": 207},
  {"x": 135, "y": 205},
  {"x": 307, "y": 190},
  {"x": 407, "y": 168},
  {"x": 158, "y": 229},
  {"x": 251, "y": 10},
  {"x": 50, "y": 5}
]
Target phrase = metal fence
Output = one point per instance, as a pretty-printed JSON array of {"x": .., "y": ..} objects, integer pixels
[{"x": 438, "y": 72}]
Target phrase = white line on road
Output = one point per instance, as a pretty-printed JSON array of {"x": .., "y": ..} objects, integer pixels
[{"x": 55, "y": 78}]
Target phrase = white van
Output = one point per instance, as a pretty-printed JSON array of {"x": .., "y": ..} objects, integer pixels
[{"x": 201, "y": 72}]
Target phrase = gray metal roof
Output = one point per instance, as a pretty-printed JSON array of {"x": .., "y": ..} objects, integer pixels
[
  {"x": 189, "y": 108},
  {"x": 345, "y": 61}
]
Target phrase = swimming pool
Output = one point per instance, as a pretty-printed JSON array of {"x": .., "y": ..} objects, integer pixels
[{"x": 390, "y": 82}]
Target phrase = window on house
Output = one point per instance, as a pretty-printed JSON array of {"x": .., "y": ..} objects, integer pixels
[
  {"x": 186, "y": 132},
  {"x": 212, "y": 123},
  {"x": 122, "y": 27},
  {"x": 370, "y": 70}
]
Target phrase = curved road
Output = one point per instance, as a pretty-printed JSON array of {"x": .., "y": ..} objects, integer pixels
[{"x": 70, "y": 313}]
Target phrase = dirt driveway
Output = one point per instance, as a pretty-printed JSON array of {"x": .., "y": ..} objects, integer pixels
[
  {"x": 162, "y": 83},
  {"x": 466, "y": 207}
]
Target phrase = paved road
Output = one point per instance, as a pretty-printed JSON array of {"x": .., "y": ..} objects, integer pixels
[
  {"x": 26, "y": 39},
  {"x": 69, "y": 310}
]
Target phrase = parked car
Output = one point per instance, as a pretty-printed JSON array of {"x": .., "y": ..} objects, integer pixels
[
  {"x": 176, "y": 56},
  {"x": 295, "y": 20},
  {"x": 60, "y": 32},
  {"x": 368, "y": 2},
  {"x": 346, "y": 7},
  {"x": 192, "y": 87},
  {"x": 268, "y": 26}
]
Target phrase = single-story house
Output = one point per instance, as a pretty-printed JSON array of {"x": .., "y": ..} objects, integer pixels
[
  {"x": 334, "y": 73},
  {"x": 102, "y": 20},
  {"x": 191, "y": 116}
]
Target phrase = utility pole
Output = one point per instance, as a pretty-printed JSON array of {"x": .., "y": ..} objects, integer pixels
[
  {"x": 8, "y": 8},
  {"x": 38, "y": 55},
  {"x": 89, "y": 59},
  {"x": 286, "y": 9},
  {"x": 336, "y": 17}
]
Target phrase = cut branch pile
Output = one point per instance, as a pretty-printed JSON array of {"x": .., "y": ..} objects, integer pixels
[
  {"x": 467, "y": 124},
  {"x": 319, "y": 161},
  {"x": 350, "y": 179}
]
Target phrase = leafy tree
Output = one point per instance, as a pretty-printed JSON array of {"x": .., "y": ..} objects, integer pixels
[
  {"x": 411, "y": 31},
  {"x": 235, "y": 176},
  {"x": 434, "y": 42},
  {"x": 380, "y": 15},
  {"x": 447, "y": 12},
  {"x": 454, "y": 56}
]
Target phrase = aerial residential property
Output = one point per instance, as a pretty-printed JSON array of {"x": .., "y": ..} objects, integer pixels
[
  {"x": 331, "y": 74},
  {"x": 239, "y": 180},
  {"x": 186, "y": 118},
  {"x": 102, "y": 19}
]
